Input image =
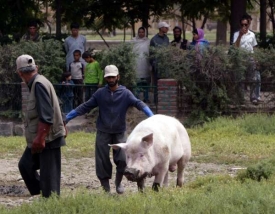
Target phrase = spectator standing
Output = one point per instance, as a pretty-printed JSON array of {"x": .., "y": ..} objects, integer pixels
[
  {"x": 66, "y": 93},
  {"x": 160, "y": 40},
  {"x": 74, "y": 42},
  {"x": 44, "y": 132},
  {"x": 77, "y": 71},
  {"x": 113, "y": 101},
  {"x": 199, "y": 43},
  {"x": 143, "y": 73},
  {"x": 93, "y": 75},
  {"x": 32, "y": 33},
  {"x": 246, "y": 40},
  {"x": 178, "y": 41}
]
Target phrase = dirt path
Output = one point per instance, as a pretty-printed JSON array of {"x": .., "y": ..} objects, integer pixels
[{"x": 81, "y": 173}]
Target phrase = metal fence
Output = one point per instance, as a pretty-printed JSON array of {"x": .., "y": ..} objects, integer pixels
[
  {"x": 72, "y": 96},
  {"x": 10, "y": 100}
]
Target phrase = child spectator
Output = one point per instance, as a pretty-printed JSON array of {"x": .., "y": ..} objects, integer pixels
[
  {"x": 93, "y": 75},
  {"x": 77, "y": 70},
  {"x": 66, "y": 92}
]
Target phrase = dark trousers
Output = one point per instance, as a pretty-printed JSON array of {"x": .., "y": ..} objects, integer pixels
[
  {"x": 78, "y": 92},
  {"x": 102, "y": 152},
  {"x": 49, "y": 163},
  {"x": 90, "y": 89}
]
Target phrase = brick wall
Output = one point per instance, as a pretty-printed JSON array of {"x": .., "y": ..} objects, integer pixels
[{"x": 167, "y": 97}]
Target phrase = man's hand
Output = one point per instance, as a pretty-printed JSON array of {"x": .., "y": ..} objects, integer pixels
[
  {"x": 38, "y": 143},
  {"x": 242, "y": 32}
]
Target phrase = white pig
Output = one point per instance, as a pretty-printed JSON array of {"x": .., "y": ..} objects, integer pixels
[{"x": 156, "y": 145}]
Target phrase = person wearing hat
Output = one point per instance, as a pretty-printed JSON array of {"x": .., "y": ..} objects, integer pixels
[
  {"x": 113, "y": 101},
  {"x": 44, "y": 132},
  {"x": 178, "y": 41},
  {"x": 160, "y": 40}
]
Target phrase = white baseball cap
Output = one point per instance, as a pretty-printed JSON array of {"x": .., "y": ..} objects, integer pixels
[
  {"x": 163, "y": 24},
  {"x": 24, "y": 61},
  {"x": 111, "y": 71}
]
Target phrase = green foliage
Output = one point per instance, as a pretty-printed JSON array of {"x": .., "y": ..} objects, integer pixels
[
  {"x": 78, "y": 145},
  {"x": 223, "y": 140},
  {"x": 218, "y": 196},
  {"x": 227, "y": 140},
  {"x": 262, "y": 124},
  {"x": 262, "y": 170},
  {"x": 123, "y": 57},
  {"x": 48, "y": 55},
  {"x": 210, "y": 79}
]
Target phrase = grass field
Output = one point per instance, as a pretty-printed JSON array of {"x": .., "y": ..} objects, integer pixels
[
  {"x": 246, "y": 140},
  {"x": 209, "y": 35}
]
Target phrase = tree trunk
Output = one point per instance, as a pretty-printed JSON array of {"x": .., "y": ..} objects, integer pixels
[
  {"x": 204, "y": 21},
  {"x": 221, "y": 32},
  {"x": 271, "y": 16},
  {"x": 58, "y": 18},
  {"x": 194, "y": 23},
  {"x": 238, "y": 9},
  {"x": 263, "y": 21},
  {"x": 145, "y": 16},
  {"x": 183, "y": 28},
  {"x": 133, "y": 29}
]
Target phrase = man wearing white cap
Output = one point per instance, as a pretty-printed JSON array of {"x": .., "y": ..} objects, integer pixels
[
  {"x": 160, "y": 40},
  {"x": 44, "y": 131},
  {"x": 113, "y": 101}
]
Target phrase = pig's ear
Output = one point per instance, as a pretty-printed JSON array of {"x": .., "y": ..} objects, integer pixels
[
  {"x": 147, "y": 141},
  {"x": 119, "y": 145}
]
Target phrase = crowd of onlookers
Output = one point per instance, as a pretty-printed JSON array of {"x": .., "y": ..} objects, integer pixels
[{"x": 83, "y": 68}]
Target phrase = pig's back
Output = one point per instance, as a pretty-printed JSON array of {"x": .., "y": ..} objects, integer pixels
[{"x": 167, "y": 131}]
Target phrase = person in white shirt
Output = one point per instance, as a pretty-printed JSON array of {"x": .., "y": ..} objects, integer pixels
[
  {"x": 246, "y": 39},
  {"x": 143, "y": 72}
]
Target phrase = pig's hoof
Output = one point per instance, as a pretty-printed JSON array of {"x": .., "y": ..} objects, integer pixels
[
  {"x": 156, "y": 187},
  {"x": 120, "y": 189}
]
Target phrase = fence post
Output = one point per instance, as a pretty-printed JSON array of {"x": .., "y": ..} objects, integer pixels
[{"x": 167, "y": 97}]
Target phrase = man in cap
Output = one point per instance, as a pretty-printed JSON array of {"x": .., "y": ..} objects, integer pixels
[
  {"x": 44, "y": 132},
  {"x": 160, "y": 40},
  {"x": 113, "y": 101}
]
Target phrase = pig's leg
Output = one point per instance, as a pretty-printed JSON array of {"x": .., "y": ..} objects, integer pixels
[
  {"x": 159, "y": 178},
  {"x": 140, "y": 185},
  {"x": 165, "y": 182},
  {"x": 181, "y": 166}
]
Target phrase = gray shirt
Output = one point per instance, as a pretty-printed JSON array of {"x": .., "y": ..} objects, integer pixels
[
  {"x": 159, "y": 41},
  {"x": 71, "y": 44}
]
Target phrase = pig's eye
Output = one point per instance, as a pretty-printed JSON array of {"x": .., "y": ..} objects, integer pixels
[{"x": 141, "y": 155}]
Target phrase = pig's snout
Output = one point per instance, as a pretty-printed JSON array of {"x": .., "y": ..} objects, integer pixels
[{"x": 131, "y": 174}]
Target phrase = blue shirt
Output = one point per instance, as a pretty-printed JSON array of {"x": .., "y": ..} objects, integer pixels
[{"x": 113, "y": 106}]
